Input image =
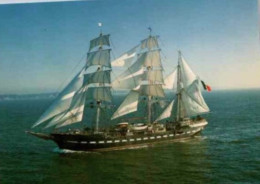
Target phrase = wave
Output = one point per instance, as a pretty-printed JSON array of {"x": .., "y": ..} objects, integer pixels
[{"x": 67, "y": 151}]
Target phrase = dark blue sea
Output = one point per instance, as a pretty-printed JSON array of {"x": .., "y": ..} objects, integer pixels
[{"x": 228, "y": 151}]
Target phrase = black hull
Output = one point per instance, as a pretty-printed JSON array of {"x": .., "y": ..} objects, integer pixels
[
  {"x": 99, "y": 142},
  {"x": 84, "y": 143}
]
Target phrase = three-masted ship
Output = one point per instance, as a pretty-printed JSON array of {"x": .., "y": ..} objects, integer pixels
[{"x": 90, "y": 90}]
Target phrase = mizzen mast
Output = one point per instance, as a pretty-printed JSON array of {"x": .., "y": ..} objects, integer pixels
[{"x": 178, "y": 114}]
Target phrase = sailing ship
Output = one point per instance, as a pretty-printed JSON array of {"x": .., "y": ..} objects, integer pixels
[{"x": 90, "y": 90}]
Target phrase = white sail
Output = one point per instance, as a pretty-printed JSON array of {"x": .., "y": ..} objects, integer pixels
[
  {"x": 166, "y": 113},
  {"x": 100, "y": 57},
  {"x": 130, "y": 78},
  {"x": 144, "y": 75},
  {"x": 101, "y": 93},
  {"x": 129, "y": 105},
  {"x": 150, "y": 59},
  {"x": 170, "y": 80},
  {"x": 97, "y": 77},
  {"x": 193, "y": 101},
  {"x": 187, "y": 75},
  {"x": 63, "y": 101},
  {"x": 152, "y": 90},
  {"x": 75, "y": 112},
  {"x": 126, "y": 59},
  {"x": 99, "y": 41},
  {"x": 153, "y": 76},
  {"x": 150, "y": 43}
]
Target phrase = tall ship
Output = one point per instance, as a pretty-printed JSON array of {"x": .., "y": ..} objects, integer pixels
[{"x": 89, "y": 92}]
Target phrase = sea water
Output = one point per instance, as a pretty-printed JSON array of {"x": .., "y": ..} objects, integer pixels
[{"x": 228, "y": 151}]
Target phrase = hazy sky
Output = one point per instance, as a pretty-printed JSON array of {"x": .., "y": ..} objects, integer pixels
[{"x": 42, "y": 43}]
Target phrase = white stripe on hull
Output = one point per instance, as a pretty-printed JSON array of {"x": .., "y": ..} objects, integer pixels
[{"x": 145, "y": 139}]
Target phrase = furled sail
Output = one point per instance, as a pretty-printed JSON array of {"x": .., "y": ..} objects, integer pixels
[
  {"x": 166, "y": 113},
  {"x": 63, "y": 101},
  {"x": 126, "y": 59},
  {"x": 99, "y": 41},
  {"x": 129, "y": 105}
]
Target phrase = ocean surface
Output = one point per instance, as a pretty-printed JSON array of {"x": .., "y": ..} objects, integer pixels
[{"x": 228, "y": 151}]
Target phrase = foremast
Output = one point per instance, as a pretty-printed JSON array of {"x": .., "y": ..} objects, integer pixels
[
  {"x": 91, "y": 85},
  {"x": 99, "y": 82}
]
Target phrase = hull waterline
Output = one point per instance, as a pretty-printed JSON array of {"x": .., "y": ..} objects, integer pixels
[{"x": 81, "y": 142}]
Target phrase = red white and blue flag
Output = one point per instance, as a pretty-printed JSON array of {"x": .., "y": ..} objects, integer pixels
[{"x": 205, "y": 86}]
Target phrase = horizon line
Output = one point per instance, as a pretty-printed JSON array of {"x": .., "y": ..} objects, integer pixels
[
  {"x": 218, "y": 89},
  {"x": 2, "y": 2}
]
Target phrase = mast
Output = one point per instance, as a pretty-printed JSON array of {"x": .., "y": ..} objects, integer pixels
[
  {"x": 189, "y": 101},
  {"x": 99, "y": 82},
  {"x": 178, "y": 115},
  {"x": 144, "y": 77},
  {"x": 68, "y": 108},
  {"x": 149, "y": 105},
  {"x": 98, "y": 101}
]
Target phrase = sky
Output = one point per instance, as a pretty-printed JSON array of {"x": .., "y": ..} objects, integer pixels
[{"x": 42, "y": 45}]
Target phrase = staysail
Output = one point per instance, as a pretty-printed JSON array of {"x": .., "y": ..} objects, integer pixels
[
  {"x": 129, "y": 105},
  {"x": 63, "y": 101},
  {"x": 166, "y": 113},
  {"x": 126, "y": 59},
  {"x": 170, "y": 80}
]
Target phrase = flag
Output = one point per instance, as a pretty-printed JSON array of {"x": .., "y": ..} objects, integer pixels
[
  {"x": 205, "y": 86},
  {"x": 99, "y": 24}
]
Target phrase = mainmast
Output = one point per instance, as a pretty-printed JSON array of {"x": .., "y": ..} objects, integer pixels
[
  {"x": 149, "y": 68},
  {"x": 146, "y": 76},
  {"x": 152, "y": 79}
]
